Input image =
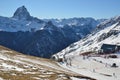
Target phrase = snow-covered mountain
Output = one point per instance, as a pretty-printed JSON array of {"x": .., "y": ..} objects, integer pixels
[
  {"x": 81, "y": 26},
  {"x": 75, "y": 57},
  {"x": 21, "y": 21},
  {"x": 22, "y": 14},
  {"x": 74, "y": 21},
  {"x": 30, "y": 35},
  {"x": 107, "y": 32}
]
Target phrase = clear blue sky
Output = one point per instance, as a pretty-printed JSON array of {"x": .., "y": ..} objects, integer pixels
[{"x": 63, "y": 8}]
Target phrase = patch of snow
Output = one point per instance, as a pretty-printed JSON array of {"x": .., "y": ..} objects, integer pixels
[
  {"x": 37, "y": 78},
  {"x": 1, "y": 78},
  {"x": 74, "y": 78},
  {"x": 11, "y": 67},
  {"x": 3, "y": 55},
  {"x": 41, "y": 28},
  {"x": 28, "y": 23}
]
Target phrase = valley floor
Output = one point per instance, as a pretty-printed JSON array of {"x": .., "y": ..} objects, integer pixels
[{"x": 95, "y": 67}]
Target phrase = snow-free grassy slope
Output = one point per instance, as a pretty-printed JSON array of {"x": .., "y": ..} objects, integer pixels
[{"x": 16, "y": 66}]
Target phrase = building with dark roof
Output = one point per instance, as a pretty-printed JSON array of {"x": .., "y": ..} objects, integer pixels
[{"x": 109, "y": 48}]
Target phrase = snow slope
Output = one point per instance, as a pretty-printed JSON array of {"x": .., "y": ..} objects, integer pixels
[
  {"x": 95, "y": 67},
  {"x": 107, "y": 32}
]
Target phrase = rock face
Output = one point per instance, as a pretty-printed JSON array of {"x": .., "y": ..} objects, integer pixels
[
  {"x": 22, "y": 14},
  {"x": 37, "y": 37}
]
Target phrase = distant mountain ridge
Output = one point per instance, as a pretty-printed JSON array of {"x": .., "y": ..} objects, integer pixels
[
  {"x": 73, "y": 21},
  {"x": 30, "y": 35}
]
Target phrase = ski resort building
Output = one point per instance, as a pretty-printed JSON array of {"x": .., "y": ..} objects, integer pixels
[{"x": 109, "y": 48}]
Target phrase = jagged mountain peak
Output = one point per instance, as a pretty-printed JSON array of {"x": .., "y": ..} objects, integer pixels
[
  {"x": 21, "y": 13},
  {"x": 49, "y": 23},
  {"x": 50, "y": 26}
]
